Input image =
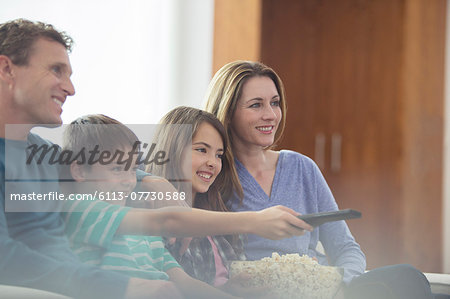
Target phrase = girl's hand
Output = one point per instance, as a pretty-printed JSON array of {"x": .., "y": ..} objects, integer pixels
[
  {"x": 185, "y": 242},
  {"x": 236, "y": 286},
  {"x": 278, "y": 222}
]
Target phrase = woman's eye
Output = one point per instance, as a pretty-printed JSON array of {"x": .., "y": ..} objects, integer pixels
[
  {"x": 276, "y": 103},
  {"x": 220, "y": 156},
  {"x": 255, "y": 105},
  {"x": 201, "y": 150}
]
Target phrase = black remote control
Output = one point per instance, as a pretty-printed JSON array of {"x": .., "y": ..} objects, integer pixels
[{"x": 317, "y": 219}]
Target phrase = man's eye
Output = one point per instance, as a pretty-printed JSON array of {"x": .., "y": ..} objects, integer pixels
[{"x": 57, "y": 69}]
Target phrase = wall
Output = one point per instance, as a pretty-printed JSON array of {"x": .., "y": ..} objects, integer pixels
[
  {"x": 446, "y": 176},
  {"x": 133, "y": 60}
]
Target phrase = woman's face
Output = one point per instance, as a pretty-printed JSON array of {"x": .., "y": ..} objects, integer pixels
[
  {"x": 206, "y": 158},
  {"x": 258, "y": 114}
]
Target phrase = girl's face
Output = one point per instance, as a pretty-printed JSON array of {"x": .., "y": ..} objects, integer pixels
[
  {"x": 258, "y": 114},
  {"x": 206, "y": 160}
]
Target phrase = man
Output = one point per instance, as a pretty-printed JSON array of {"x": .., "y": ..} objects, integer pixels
[{"x": 34, "y": 84}]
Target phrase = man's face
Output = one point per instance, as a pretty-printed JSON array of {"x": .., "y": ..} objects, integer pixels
[{"x": 40, "y": 88}]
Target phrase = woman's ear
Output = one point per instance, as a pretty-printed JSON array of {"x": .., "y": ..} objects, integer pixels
[{"x": 78, "y": 171}]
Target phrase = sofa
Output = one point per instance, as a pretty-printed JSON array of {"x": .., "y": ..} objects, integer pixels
[{"x": 440, "y": 283}]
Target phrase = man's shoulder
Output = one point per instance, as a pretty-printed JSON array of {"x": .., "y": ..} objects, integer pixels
[{"x": 38, "y": 140}]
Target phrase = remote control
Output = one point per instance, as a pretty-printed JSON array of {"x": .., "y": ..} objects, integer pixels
[{"x": 317, "y": 219}]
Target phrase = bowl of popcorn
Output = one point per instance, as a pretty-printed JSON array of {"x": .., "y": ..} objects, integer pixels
[{"x": 291, "y": 276}]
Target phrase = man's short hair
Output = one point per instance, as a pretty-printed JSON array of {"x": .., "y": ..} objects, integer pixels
[{"x": 18, "y": 36}]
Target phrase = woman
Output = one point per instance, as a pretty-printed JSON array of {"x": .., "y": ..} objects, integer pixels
[{"x": 248, "y": 98}]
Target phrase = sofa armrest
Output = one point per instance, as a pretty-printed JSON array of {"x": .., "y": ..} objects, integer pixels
[
  {"x": 13, "y": 292},
  {"x": 440, "y": 283}
]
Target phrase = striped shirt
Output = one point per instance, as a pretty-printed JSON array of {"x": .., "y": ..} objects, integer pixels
[{"x": 91, "y": 228}]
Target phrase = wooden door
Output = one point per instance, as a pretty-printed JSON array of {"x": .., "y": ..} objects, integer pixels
[{"x": 341, "y": 62}]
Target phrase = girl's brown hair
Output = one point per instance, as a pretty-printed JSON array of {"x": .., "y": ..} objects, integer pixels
[{"x": 175, "y": 139}]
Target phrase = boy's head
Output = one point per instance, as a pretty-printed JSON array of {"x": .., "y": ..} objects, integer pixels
[{"x": 101, "y": 146}]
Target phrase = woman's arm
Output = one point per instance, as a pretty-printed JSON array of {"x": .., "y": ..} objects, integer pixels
[{"x": 340, "y": 246}]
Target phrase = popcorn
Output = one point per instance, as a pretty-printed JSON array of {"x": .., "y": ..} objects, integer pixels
[{"x": 291, "y": 276}]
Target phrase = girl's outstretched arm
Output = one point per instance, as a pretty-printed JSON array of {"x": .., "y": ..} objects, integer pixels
[{"x": 274, "y": 223}]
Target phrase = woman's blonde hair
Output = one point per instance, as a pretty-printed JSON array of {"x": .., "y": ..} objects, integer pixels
[
  {"x": 225, "y": 89},
  {"x": 174, "y": 140}
]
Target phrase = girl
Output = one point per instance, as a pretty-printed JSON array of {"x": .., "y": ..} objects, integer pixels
[{"x": 203, "y": 160}]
